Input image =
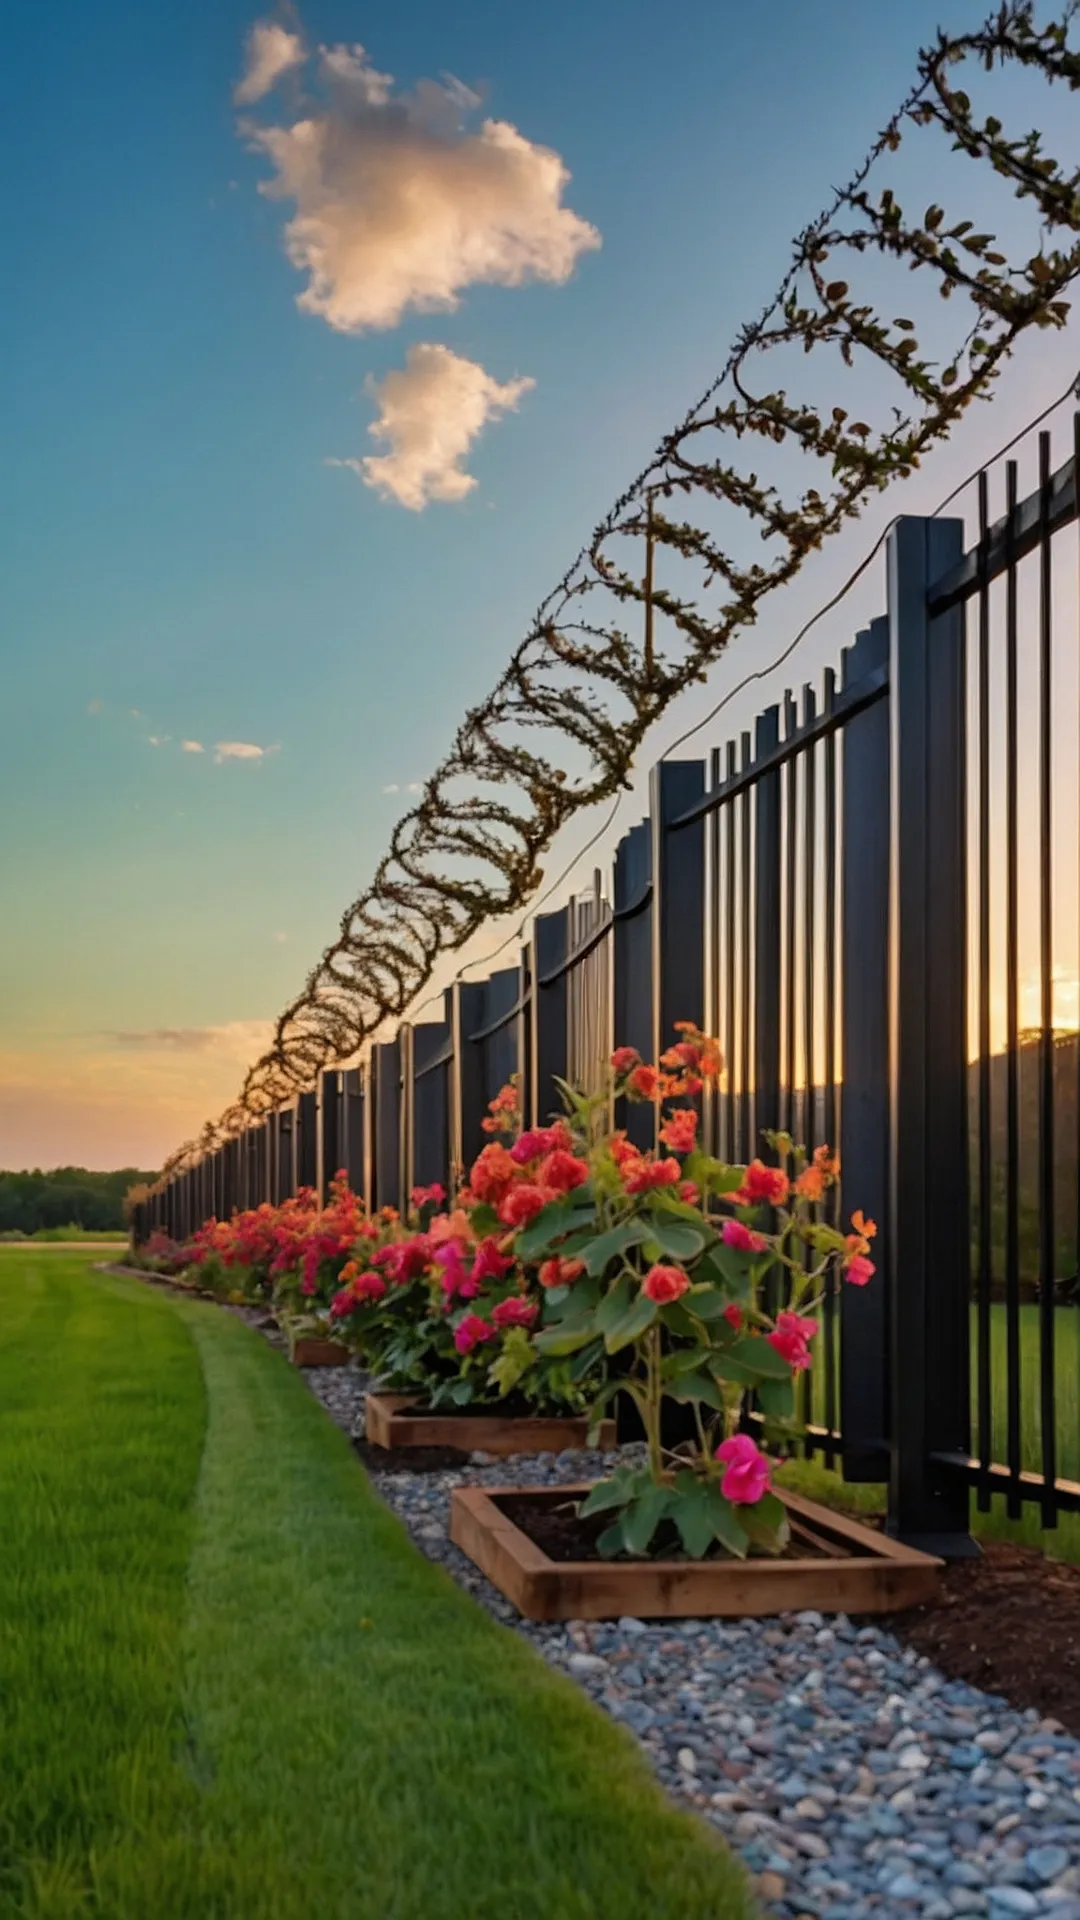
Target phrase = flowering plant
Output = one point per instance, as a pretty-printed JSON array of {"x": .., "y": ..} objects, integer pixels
[{"x": 672, "y": 1257}]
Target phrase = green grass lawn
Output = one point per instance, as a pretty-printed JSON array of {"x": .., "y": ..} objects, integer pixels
[{"x": 230, "y": 1688}]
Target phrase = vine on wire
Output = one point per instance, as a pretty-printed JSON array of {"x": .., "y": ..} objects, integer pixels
[{"x": 471, "y": 849}]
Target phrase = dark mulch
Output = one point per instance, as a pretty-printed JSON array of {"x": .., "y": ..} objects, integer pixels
[
  {"x": 409, "y": 1459},
  {"x": 552, "y": 1524},
  {"x": 1008, "y": 1622}
]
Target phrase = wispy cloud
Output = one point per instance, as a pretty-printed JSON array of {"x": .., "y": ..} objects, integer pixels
[
  {"x": 240, "y": 750},
  {"x": 96, "y": 706},
  {"x": 234, "y": 1036},
  {"x": 271, "y": 51},
  {"x": 158, "y": 739},
  {"x": 192, "y": 746},
  {"x": 398, "y": 203},
  {"x": 411, "y": 786},
  {"x": 430, "y": 413}
]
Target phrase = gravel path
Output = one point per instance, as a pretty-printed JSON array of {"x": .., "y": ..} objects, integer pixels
[{"x": 850, "y": 1776}]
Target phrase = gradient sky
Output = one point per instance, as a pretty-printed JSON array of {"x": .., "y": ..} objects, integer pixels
[{"x": 182, "y": 564}]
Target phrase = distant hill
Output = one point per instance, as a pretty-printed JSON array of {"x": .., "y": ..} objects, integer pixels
[{"x": 66, "y": 1196}]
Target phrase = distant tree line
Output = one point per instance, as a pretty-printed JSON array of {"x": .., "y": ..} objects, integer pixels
[{"x": 67, "y": 1196}]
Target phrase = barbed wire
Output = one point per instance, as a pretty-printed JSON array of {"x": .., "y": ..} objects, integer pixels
[{"x": 470, "y": 850}]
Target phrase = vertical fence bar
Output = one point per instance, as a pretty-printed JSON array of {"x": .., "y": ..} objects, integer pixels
[
  {"x": 678, "y": 870},
  {"x": 430, "y": 1106},
  {"x": 810, "y": 886},
  {"x": 1014, "y": 1505},
  {"x": 766, "y": 936},
  {"x": 929, "y": 1241},
  {"x": 829, "y": 1035},
  {"x": 791, "y": 816},
  {"x": 713, "y": 945},
  {"x": 864, "y": 1028},
  {"x": 329, "y": 1131},
  {"x": 470, "y": 1100},
  {"x": 548, "y": 1014},
  {"x": 746, "y": 1138},
  {"x": 730, "y": 944},
  {"x": 352, "y": 1145},
  {"x": 983, "y": 1389},
  {"x": 406, "y": 1136},
  {"x": 1047, "y": 1223}
]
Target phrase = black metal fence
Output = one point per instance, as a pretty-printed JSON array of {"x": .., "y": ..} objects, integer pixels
[{"x": 824, "y": 897}]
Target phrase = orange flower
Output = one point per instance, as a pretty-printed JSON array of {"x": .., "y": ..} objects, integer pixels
[
  {"x": 679, "y": 1131},
  {"x": 643, "y": 1082},
  {"x": 560, "y": 1273}
]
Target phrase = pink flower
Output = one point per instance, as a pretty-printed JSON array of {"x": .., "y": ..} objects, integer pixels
[
  {"x": 490, "y": 1264},
  {"x": 664, "y": 1284},
  {"x": 522, "y": 1204},
  {"x": 432, "y": 1196},
  {"x": 679, "y": 1131},
  {"x": 471, "y": 1332},
  {"x": 343, "y": 1303},
  {"x": 746, "y": 1476},
  {"x": 790, "y": 1340},
  {"x": 733, "y": 1315},
  {"x": 561, "y": 1172},
  {"x": 625, "y": 1059},
  {"x": 368, "y": 1286},
  {"x": 859, "y": 1270},
  {"x": 540, "y": 1140},
  {"x": 515, "y": 1312},
  {"x": 740, "y": 1239},
  {"x": 455, "y": 1278}
]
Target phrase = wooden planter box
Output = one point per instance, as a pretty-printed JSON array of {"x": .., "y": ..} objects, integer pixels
[
  {"x": 310, "y": 1350},
  {"x": 395, "y": 1420},
  {"x": 855, "y": 1570}
]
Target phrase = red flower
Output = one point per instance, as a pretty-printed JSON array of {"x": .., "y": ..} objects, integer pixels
[
  {"x": 368, "y": 1286},
  {"x": 733, "y": 1315},
  {"x": 538, "y": 1141},
  {"x": 664, "y": 1284},
  {"x": 689, "y": 1192},
  {"x": 515, "y": 1312},
  {"x": 746, "y": 1479},
  {"x": 471, "y": 1332},
  {"x": 859, "y": 1270},
  {"x": 790, "y": 1340},
  {"x": 625, "y": 1059},
  {"x": 762, "y": 1183},
  {"x": 522, "y": 1204},
  {"x": 561, "y": 1273},
  {"x": 343, "y": 1303},
  {"x": 492, "y": 1173},
  {"x": 643, "y": 1082},
  {"x": 740, "y": 1238},
  {"x": 652, "y": 1173},
  {"x": 561, "y": 1172},
  {"x": 455, "y": 1278},
  {"x": 679, "y": 1131}
]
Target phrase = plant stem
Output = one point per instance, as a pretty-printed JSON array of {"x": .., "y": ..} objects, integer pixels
[{"x": 655, "y": 1401}]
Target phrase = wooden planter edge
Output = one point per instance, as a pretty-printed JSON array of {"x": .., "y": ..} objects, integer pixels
[
  {"x": 885, "y": 1578},
  {"x": 388, "y": 1422}
]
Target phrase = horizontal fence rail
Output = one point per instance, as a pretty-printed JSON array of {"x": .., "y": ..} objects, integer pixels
[{"x": 846, "y": 896}]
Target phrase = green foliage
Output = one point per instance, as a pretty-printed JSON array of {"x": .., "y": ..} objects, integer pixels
[{"x": 68, "y": 1198}]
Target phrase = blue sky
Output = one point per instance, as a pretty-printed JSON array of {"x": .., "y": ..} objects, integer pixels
[{"x": 180, "y": 561}]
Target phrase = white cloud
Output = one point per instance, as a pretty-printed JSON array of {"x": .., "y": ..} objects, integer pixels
[
  {"x": 192, "y": 746},
  {"x": 235, "y": 1037},
  {"x": 271, "y": 51},
  {"x": 430, "y": 412},
  {"x": 158, "y": 739},
  {"x": 392, "y": 788},
  {"x": 96, "y": 706},
  {"x": 240, "y": 750},
  {"x": 399, "y": 204},
  {"x": 281, "y": 938}
]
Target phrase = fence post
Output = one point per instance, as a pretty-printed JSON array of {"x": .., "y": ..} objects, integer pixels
[
  {"x": 548, "y": 1014},
  {"x": 678, "y": 911},
  {"x": 430, "y": 1108},
  {"x": 329, "y": 1135},
  {"x": 766, "y": 907},
  {"x": 352, "y": 1142},
  {"x": 929, "y": 1225},
  {"x": 386, "y": 1137},
  {"x": 631, "y": 968},
  {"x": 305, "y": 1127},
  {"x": 864, "y": 1093},
  {"x": 468, "y": 1106}
]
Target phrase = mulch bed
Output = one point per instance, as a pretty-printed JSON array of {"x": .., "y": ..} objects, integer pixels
[
  {"x": 409, "y": 1459},
  {"x": 1008, "y": 1622}
]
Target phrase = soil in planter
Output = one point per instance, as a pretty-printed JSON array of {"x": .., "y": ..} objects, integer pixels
[
  {"x": 1008, "y": 1622},
  {"x": 514, "y": 1407},
  {"x": 552, "y": 1525},
  {"x": 409, "y": 1459}
]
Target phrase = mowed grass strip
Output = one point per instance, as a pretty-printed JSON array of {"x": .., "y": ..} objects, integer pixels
[{"x": 241, "y": 1692}]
